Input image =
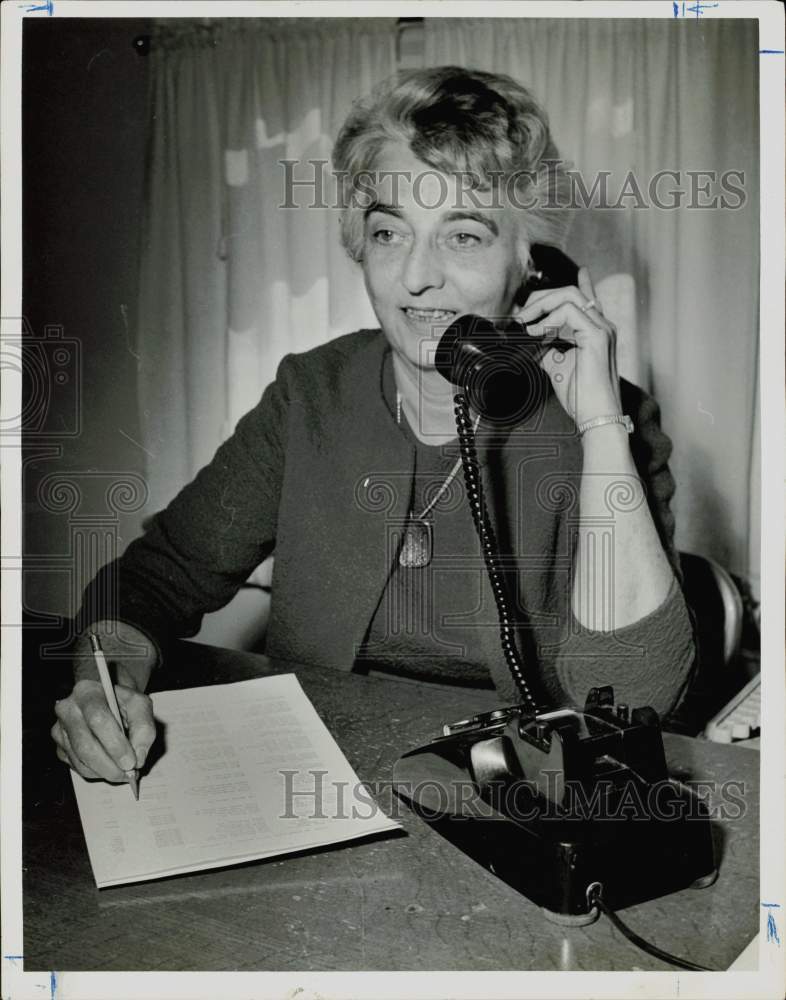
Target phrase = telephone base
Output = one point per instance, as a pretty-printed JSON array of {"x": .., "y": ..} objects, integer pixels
[
  {"x": 555, "y": 802},
  {"x": 553, "y": 861}
]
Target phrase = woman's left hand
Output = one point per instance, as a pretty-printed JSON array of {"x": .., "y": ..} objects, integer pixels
[{"x": 585, "y": 379}]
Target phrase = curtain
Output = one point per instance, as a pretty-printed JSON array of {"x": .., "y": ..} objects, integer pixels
[
  {"x": 229, "y": 281},
  {"x": 644, "y": 96}
]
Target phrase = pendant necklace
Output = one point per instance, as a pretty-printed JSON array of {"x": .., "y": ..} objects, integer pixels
[{"x": 417, "y": 548}]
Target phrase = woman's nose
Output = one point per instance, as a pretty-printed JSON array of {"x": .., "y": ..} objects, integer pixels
[{"x": 422, "y": 269}]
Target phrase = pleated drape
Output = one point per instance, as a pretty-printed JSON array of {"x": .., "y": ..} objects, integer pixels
[{"x": 230, "y": 281}]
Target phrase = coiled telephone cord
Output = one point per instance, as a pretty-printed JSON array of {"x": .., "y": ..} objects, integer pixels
[{"x": 488, "y": 543}]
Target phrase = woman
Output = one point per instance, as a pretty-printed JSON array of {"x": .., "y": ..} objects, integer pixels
[{"x": 347, "y": 467}]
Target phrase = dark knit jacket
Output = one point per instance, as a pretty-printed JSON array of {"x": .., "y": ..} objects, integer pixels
[{"x": 318, "y": 472}]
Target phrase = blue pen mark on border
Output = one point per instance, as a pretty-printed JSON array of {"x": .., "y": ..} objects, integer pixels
[
  {"x": 47, "y": 6},
  {"x": 772, "y": 927},
  {"x": 52, "y": 985},
  {"x": 770, "y": 52},
  {"x": 13, "y": 959},
  {"x": 681, "y": 9}
]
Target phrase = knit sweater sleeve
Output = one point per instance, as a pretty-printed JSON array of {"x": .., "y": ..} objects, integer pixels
[
  {"x": 197, "y": 552},
  {"x": 648, "y": 662}
]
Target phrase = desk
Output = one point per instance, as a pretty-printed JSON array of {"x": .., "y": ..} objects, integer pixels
[{"x": 403, "y": 902}]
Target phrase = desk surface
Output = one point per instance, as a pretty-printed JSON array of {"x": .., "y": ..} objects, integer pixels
[{"x": 402, "y": 902}]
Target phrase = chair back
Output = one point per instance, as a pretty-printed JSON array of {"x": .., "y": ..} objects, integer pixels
[
  {"x": 715, "y": 601},
  {"x": 716, "y": 607}
]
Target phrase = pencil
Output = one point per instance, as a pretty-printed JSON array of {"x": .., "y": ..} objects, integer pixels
[{"x": 109, "y": 693}]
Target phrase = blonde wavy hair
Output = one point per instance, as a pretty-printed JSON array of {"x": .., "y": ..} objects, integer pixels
[{"x": 483, "y": 126}]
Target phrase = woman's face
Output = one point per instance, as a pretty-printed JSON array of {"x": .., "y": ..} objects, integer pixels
[{"x": 429, "y": 255}]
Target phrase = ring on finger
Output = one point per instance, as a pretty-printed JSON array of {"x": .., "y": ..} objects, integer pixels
[{"x": 592, "y": 304}]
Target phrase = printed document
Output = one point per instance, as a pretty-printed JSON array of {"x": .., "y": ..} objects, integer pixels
[{"x": 248, "y": 771}]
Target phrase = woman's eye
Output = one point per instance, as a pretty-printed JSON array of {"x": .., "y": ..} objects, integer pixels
[
  {"x": 386, "y": 236},
  {"x": 464, "y": 240}
]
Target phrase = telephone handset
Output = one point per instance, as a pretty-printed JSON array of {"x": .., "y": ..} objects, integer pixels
[
  {"x": 551, "y": 269},
  {"x": 497, "y": 363}
]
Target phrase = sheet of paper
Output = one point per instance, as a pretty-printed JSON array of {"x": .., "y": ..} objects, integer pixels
[{"x": 223, "y": 791}]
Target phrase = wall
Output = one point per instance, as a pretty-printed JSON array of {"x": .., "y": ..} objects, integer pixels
[{"x": 84, "y": 141}]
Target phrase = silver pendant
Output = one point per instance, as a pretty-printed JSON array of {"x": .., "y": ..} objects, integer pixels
[{"x": 417, "y": 546}]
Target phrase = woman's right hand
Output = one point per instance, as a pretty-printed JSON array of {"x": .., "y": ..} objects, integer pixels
[{"x": 86, "y": 734}]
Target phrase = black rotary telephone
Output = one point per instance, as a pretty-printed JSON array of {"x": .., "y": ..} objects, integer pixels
[{"x": 511, "y": 787}]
